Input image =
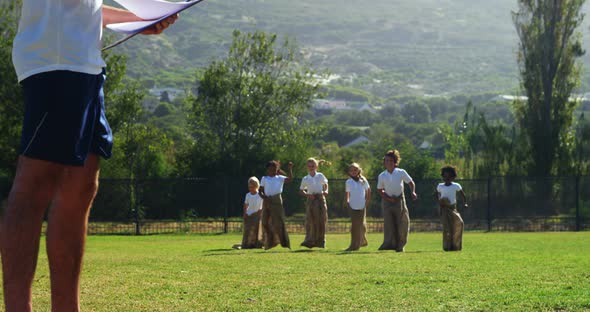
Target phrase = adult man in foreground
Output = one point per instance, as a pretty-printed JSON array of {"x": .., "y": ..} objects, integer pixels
[{"x": 57, "y": 58}]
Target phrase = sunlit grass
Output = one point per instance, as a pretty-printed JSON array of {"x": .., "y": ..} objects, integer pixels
[{"x": 495, "y": 271}]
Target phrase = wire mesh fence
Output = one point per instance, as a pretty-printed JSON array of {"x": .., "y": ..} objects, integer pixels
[{"x": 215, "y": 205}]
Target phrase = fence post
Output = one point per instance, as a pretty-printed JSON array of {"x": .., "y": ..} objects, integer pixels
[
  {"x": 578, "y": 223},
  {"x": 225, "y": 202},
  {"x": 137, "y": 205},
  {"x": 489, "y": 204}
]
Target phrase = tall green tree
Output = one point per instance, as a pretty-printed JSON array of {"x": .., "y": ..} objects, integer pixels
[
  {"x": 549, "y": 49},
  {"x": 249, "y": 105},
  {"x": 141, "y": 150},
  {"x": 11, "y": 108}
]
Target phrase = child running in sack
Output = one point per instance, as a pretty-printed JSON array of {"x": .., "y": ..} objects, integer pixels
[
  {"x": 358, "y": 195},
  {"x": 390, "y": 186},
  {"x": 450, "y": 218},
  {"x": 314, "y": 187},
  {"x": 273, "y": 214},
  {"x": 252, "y": 237}
]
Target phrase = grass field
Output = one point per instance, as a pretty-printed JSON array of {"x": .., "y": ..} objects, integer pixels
[{"x": 496, "y": 271}]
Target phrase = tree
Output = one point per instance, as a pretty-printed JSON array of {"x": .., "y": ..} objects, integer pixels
[
  {"x": 548, "y": 52},
  {"x": 11, "y": 108},
  {"x": 582, "y": 146},
  {"x": 416, "y": 112},
  {"x": 141, "y": 150},
  {"x": 249, "y": 105}
]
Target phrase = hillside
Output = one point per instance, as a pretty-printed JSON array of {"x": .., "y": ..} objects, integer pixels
[{"x": 387, "y": 47}]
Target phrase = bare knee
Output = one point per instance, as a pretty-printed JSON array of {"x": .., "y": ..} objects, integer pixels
[
  {"x": 89, "y": 188},
  {"x": 75, "y": 195}
]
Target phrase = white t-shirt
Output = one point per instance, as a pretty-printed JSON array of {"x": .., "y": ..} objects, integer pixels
[
  {"x": 58, "y": 35},
  {"x": 254, "y": 203},
  {"x": 272, "y": 185},
  {"x": 315, "y": 184},
  {"x": 357, "y": 191},
  {"x": 393, "y": 183},
  {"x": 449, "y": 191}
]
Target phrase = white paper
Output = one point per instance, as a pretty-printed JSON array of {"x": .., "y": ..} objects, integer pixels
[
  {"x": 154, "y": 9},
  {"x": 132, "y": 27}
]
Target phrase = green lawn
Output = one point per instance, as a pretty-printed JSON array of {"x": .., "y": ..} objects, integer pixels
[{"x": 496, "y": 271}]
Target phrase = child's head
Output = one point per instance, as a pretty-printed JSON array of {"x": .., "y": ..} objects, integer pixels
[
  {"x": 313, "y": 164},
  {"x": 272, "y": 167},
  {"x": 391, "y": 159},
  {"x": 448, "y": 173},
  {"x": 253, "y": 185},
  {"x": 355, "y": 170}
]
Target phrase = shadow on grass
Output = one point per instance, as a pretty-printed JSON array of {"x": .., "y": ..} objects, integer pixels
[
  {"x": 305, "y": 250},
  {"x": 423, "y": 251},
  {"x": 356, "y": 252},
  {"x": 237, "y": 252},
  {"x": 375, "y": 252}
]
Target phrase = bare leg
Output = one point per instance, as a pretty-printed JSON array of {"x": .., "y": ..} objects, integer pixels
[
  {"x": 66, "y": 233},
  {"x": 32, "y": 191}
]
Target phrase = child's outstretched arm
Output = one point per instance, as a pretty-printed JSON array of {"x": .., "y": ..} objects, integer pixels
[
  {"x": 464, "y": 199},
  {"x": 245, "y": 209},
  {"x": 290, "y": 173},
  {"x": 261, "y": 192},
  {"x": 348, "y": 199},
  {"x": 437, "y": 194},
  {"x": 413, "y": 189}
]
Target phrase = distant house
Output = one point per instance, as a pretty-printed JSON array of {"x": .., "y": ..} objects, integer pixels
[
  {"x": 172, "y": 93},
  {"x": 507, "y": 98},
  {"x": 359, "y": 140},
  {"x": 368, "y": 108},
  {"x": 425, "y": 145},
  {"x": 330, "y": 104},
  {"x": 512, "y": 98}
]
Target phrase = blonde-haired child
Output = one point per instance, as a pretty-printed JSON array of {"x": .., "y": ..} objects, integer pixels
[
  {"x": 252, "y": 237},
  {"x": 396, "y": 219},
  {"x": 314, "y": 187},
  {"x": 273, "y": 214},
  {"x": 450, "y": 218},
  {"x": 358, "y": 195}
]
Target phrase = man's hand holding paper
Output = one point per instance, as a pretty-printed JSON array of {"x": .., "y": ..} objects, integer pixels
[{"x": 153, "y": 17}]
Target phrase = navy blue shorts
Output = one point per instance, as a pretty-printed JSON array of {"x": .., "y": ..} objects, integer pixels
[{"x": 65, "y": 117}]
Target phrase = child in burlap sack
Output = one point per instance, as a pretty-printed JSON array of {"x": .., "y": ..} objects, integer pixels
[{"x": 450, "y": 218}]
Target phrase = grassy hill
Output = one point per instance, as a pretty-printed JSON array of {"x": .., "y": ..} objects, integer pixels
[{"x": 386, "y": 47}]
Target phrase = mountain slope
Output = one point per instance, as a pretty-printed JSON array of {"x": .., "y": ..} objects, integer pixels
[{"x": 388, "y": 47}]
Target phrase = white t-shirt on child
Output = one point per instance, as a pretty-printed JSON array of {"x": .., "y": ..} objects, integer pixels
[
  {"x": 315, "y": 184},
  {"x": 357, "y": 191},
  {"x": 273, "y": 185},
  {"x": 393, "y": 183},
  {"x": 449, "y": 191},
  {"x": 254, "y": 203}
]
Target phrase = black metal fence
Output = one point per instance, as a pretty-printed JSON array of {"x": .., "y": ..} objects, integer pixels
[{"x": 214, "y": 205}]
